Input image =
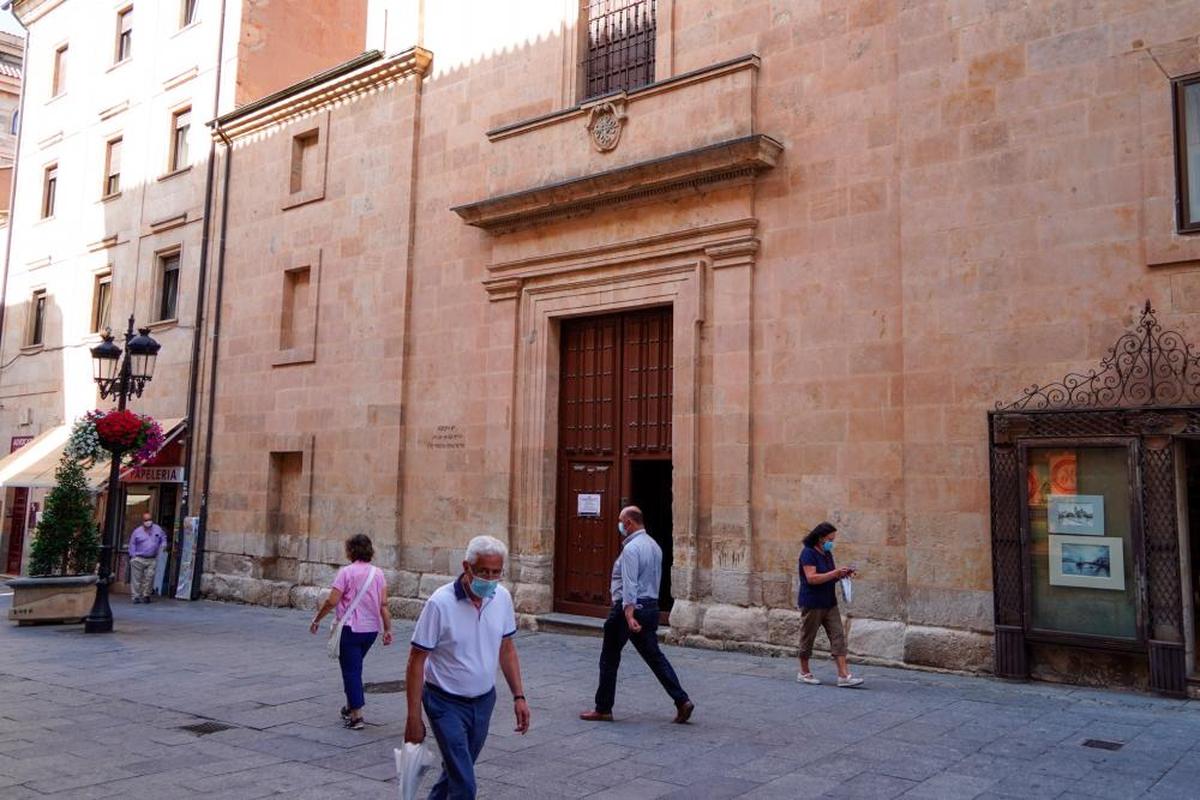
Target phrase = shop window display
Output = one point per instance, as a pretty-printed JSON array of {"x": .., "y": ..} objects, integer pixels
[{"x": 1081, "y": 542}]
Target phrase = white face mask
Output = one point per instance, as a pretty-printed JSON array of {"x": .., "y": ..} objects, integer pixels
[{"x": 147, "y": 523}]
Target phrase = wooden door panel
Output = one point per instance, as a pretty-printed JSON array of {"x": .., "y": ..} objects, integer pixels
[
  {"x": 646, "y": 383},
  {"x": 588, "y": 423},
  {"x": 590, "y": 541}
]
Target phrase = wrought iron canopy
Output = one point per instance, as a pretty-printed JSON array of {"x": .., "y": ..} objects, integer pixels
[{"x": 1146, "y": 367}]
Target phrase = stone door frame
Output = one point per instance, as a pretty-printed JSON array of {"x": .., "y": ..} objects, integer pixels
[{"x": 705, "y": 275}]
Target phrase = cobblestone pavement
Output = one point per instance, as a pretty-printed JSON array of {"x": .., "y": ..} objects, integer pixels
[{"x": 103, "y": 716}]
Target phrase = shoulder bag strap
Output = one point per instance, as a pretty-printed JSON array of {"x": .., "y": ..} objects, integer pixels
[{"x": 362, "y": 590}]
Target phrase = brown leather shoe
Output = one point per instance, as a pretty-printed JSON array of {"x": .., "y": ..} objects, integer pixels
[
  {"x": 684, "y": 711},
  {"x": 595, "y": 716}
]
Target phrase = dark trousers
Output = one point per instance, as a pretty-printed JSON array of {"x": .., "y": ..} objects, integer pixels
[
  {"x": 352, "y": 649},
  {"x": 460, "y": 726},
  {"x": 616, "y": 634}
]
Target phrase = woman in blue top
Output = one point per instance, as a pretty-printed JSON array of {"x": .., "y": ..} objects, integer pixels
[{"x": 818, "y": 604}]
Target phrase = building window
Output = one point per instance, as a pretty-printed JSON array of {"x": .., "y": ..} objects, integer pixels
[
  {"x": 102, "y": 302},
  {"x": 187, "y": 13},
  {"x": 112, "y": 168},
  {"x": 37, "y": 318},
  {"x": 168, "y": 285},
  {"x": 620, "y": 45},
  {"x": 1187, "y": 152},
  {"x": 59, "y": 80},
  {"x": 304, "y": 159},
  {"x": 181, "y": 123},
  {"x": 49, "y": 190},
  {"x": 124, "y": 35}
]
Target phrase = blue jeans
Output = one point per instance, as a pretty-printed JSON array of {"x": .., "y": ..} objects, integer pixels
[
  {"x": 460, "y": 725},
  {"x": 352, "y": 649},
  {"x": 616, "y": 634}
]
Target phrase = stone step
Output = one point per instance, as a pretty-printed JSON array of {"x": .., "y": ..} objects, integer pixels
[{"x": 579, "y": 625}]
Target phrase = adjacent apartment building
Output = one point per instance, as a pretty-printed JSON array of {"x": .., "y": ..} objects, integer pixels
[{"x": 110, "y": 222}]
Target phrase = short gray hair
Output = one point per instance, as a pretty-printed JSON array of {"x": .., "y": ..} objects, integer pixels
[{"x": 485, "y": 546}]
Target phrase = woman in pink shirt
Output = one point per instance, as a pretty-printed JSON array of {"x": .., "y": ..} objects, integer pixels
[{"x": 369, "y": 615}]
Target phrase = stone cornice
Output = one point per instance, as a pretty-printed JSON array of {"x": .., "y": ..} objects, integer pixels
[
  {"x": 677, "y": 173},
  {"x": 30, "y": 11},
  {"x": 321, "y": 92}
]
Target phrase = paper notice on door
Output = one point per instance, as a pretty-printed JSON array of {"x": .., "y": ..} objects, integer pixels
[{"x": 588, "y": 505}]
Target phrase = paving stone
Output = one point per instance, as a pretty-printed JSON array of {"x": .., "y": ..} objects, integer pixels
[{"x": 68, "y": 724}]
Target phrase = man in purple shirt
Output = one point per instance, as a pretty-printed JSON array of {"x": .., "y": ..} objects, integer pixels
[{"x": 144, "y": 543}]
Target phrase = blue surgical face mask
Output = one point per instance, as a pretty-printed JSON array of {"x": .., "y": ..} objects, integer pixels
[
  {"x": 483, "y": 589},
  {"x": 621, "y": 528},
  {"x": 828, "y": 547}
]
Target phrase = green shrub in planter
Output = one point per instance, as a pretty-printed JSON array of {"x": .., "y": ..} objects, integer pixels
[{"x": 67, "y": 541}]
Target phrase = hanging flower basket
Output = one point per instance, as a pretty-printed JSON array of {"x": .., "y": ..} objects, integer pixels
[{"x": 97, "y": 434}]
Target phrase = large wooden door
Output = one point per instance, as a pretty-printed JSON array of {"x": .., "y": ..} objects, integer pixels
[
  {"x": 614, "y": 419},
  {"x": 16, "y": 530}
]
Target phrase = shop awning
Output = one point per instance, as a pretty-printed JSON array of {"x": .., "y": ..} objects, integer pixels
[{"x": 34, "y": 464}]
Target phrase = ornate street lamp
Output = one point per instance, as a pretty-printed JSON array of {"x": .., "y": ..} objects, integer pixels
[{"x": 120, "y": 378}]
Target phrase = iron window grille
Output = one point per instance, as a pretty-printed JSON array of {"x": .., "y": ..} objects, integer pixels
[{"x": 620, "y": 45}]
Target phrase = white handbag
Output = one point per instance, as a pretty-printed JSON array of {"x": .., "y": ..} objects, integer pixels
[{"x": 335, "y": 628}]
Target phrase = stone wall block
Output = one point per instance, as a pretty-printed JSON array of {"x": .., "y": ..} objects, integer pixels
[
  {"x": 402, "y": 583},
  {"x": 686, "y": 617},
  {"x": 316, "y": 574},
  {"x": 308, "y": 598},
  {"x": 733, "y": 622},
  {"x": 783, "y": 627},
  {"x": 430, "y": 582},
  {"x": 533, "y": 598},
  {"x": 405, "y": 607},
  {"x": 876, "y": 638},
  {"x": 948, "y": 648}
]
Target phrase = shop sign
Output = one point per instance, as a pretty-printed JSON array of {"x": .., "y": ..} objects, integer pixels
[
  {"x": 18, "y": 442},
  {"x": 154, "y": 475}
]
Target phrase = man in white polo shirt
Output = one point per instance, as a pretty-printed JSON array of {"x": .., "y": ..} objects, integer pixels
[{"x": 465, "y": 630}]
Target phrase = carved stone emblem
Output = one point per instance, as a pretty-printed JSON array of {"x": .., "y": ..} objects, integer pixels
[{"x": 605, "y": 122}]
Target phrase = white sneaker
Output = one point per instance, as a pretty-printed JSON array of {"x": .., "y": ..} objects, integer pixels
[
  {"x": 809, "y": 678},
  {"x": 849, "y": 682}
]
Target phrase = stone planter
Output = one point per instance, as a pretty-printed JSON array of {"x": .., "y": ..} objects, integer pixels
[{"x": 52, "y": 599}]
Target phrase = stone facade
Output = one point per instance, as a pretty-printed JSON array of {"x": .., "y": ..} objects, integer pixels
[{"x": 872, "y": 221}]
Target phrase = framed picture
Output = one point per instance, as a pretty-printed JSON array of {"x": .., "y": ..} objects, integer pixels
[
  {"x": 1076, "y": 514},
  {"x": 1090, "y": 562}
]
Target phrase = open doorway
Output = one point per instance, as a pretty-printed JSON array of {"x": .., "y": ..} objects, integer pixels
[
  {"x": 1191, "y": 547},
  {"x": 650, "y": 490}
]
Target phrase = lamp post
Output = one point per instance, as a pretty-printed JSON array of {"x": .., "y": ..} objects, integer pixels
[{"x": 120, "y": 378}]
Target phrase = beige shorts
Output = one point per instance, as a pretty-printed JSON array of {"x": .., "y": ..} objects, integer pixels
[{"x": 812, "y": 620}]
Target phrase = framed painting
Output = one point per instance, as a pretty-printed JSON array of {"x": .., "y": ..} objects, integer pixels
[
  {"x": 1076, "y": 514},
  {"x": 1088, "y": 562}
]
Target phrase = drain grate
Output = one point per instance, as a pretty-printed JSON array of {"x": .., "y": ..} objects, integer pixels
[
  {"x": 205, "y": 728},
  {"x": 384, "y": 687},
  {"x": 1103, "y": 744}
]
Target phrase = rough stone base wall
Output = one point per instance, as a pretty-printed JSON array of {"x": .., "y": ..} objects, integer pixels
[{"x": 767, "y": 631}]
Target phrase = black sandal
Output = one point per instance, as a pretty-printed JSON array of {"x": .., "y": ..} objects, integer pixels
[
  {"x": 345, "y": 712},
  {"x": 354, "y": 724}
]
